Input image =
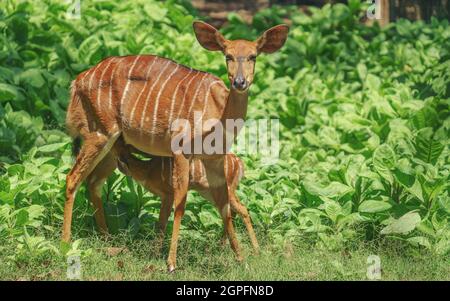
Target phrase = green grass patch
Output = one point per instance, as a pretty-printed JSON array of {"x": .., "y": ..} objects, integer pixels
[{"x": 120, "y": 258}]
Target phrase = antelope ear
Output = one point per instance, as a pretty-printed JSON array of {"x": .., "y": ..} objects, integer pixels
[
  {"x": 272, "y": 39},
  {"x": 209, "y": 37}
]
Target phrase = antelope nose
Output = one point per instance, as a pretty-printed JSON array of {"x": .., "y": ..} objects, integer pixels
[{"x": 239, "y": 83}]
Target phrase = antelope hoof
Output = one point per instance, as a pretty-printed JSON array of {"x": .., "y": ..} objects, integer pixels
[
  {"x": 171, "y": 269},
  {"x": 223, "y": 242}
]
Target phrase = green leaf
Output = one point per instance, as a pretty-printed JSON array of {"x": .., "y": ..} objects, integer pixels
[
  {"x": 384, "y": 160},
  {"x": 64, "y": 247},
  {"x": 362, "y": 71},
  {"x": 49, "y": 148},
  {"x": 443, "y": 246},
  {"x": 88, "y": 49},
  {"x": 370, "y": 206},
  {"x": 420, "y": 240},
  {"x": 426, "y": 227},
  {"x": 425, "y": 117},
  {"x": 403, "y": 225},
  {"x": 444, "y": 202},
  {"x": 22, "y": 218},
  {"x": 8, "y": 92},
  {"x": 427, "y": 148},
  {"x": 336, "y": 190},
  {"x": 373, "y": 83},
  {"x": 155, "y": 11},
  {"x": 404, "y": 177},
  {"x": 116, "y": 217},
  {"x": 134, "y": 226},
  {"x": 32, "y": 77},
  {"x": 332, "y": 209},
  {"x": 209, "y": 219}
]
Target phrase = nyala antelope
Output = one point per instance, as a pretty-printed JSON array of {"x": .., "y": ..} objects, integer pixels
[{"x": 139, "y": 97}]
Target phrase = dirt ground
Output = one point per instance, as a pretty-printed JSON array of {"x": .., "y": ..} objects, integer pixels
[{"x": 218, "y": 10}]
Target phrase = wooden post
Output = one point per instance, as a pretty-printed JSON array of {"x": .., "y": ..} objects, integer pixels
[{"x": 384, "y": 12}]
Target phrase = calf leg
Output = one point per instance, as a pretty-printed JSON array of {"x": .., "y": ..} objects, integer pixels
[
  {"x": 243, "y": 212},
  {"x": 224, "y": 238},
  {"x": 164, "y": 213},
  {"x": 221, "y": 201},
  {"x": 95, "y": 183}
]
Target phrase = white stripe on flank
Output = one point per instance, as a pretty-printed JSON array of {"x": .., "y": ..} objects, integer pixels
[
  {"x": 195, "y": 95},
  {"x": 143, "y": 89},
  {"x": 172, "y": 104},
  {"x": 232, "y": 168},
  {"x": 202, "y": 169},
  {"x": 208, "y": 92},
  {"x": 150, "y": 93},
  {"x": 155, "y": 110},
  {"x": 188, "y": 88},
  {"x": 193, "y": 169},
  {"x": 226, "y": 167},
  {"x": 127, "y": 86},
  {"x": 241, "y": 169},
  {"x": 90, "y": 79},
  {"x": 84, "y": 77},
  {"x": 111, "y": 81},
  {"x": 205, "y": 101},
  {"x": 99, "y": 89}
]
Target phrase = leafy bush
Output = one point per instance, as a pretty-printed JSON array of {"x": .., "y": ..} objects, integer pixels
[{"x": 364, "y": 115}]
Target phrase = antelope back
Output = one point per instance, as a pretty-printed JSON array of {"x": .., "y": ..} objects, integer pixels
[{"x": 142, "y": 95}]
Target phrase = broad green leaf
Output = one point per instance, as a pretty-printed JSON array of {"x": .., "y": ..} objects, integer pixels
[
  {"x": 371, "y": 206},
  {"x": 404, "y": 177},
  {"x": 51, "y": 147},
  {"x": 8, "y": 92},
  {"x": 362, "y": 71},
  {"x": 425, "y": 117},
  {"x": 403, "y": 225},
  {"x": 420, "y": 240},
  {"x": 373, "y": 82},
  {"x": 332, "y": 209},
  {"x": 32, "y": 77},
  {"x": 426, "y": 227},
  {"x": 443, "y": 246},
  {"x": 444, "y": 202},
  {"x": 427, "y": 148},
  {"x": 134, "y": 226},
  {"x": 22, "y": 218},
  {"x": 384, "y": 160}
]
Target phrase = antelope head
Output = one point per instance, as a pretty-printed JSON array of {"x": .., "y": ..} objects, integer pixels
[{"x": 240, "y": 55}]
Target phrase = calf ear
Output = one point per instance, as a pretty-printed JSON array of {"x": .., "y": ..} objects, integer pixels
[
  {"x": 272, "y": 39},
  {"x": 209, "y": 37}
]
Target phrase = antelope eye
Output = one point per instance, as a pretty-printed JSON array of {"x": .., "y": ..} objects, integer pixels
[
  {"x": 229, "y": 58},
  {"x": 252, "y": 58}
]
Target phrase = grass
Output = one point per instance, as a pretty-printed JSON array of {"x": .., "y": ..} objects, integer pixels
[{"x": 119, "y": 258}]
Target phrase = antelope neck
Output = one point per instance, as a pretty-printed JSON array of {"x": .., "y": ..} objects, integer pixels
[{"x": 236, "y": 107}]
